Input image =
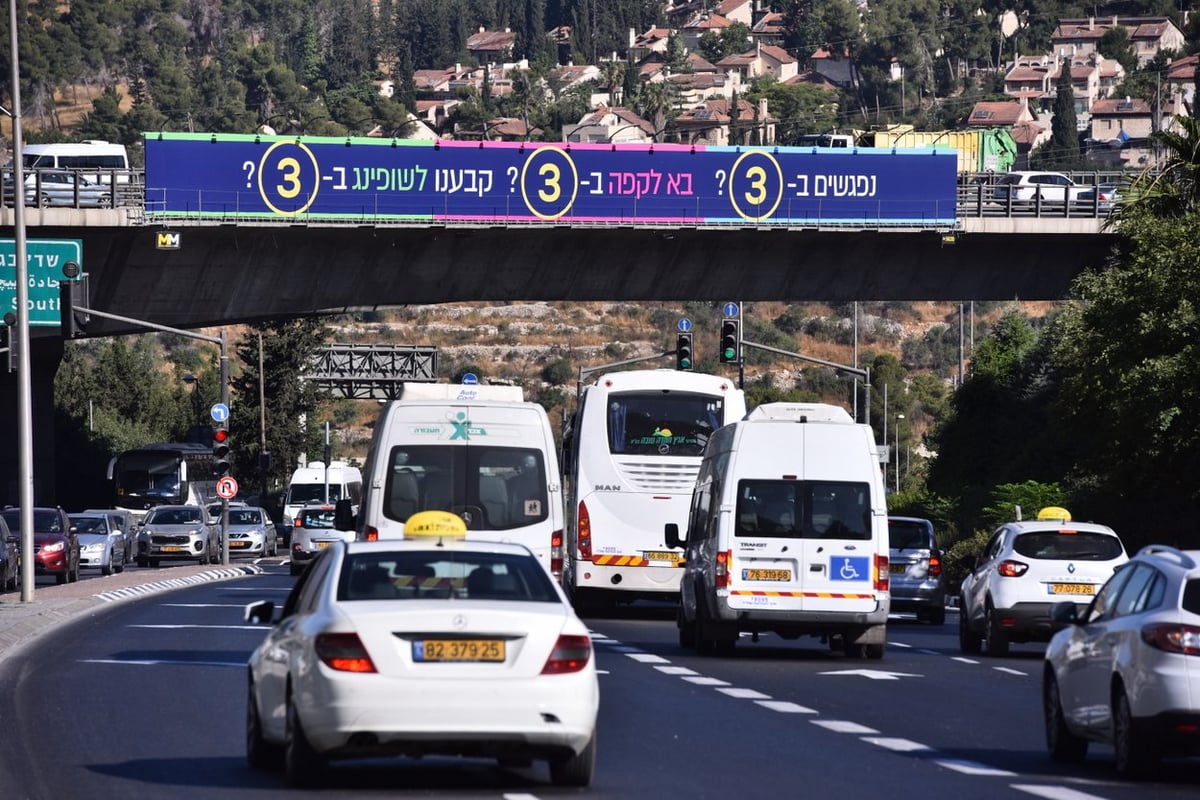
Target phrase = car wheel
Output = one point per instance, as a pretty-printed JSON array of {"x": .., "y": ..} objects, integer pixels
[
  {"x": 1133, "y": 750},
  {"x": 107, "y": 569},
  {"x": 997, "y": 637},
  {"x": 260, "y": 754},
  {"x": 302, "y": 765},
  {"x": 687, "y": 629},
  {"x": 937, "y": 615},
  {"x": 874, "y": 651},
  {"x": 143, "y": 562},
  {"x": 1063, "y": 745},
  {"x": 154, "y": 562},
  {"x": 576, "y": 769},
  {"x": 60, "y": 578},
  {"x": 969, "y": 641}
]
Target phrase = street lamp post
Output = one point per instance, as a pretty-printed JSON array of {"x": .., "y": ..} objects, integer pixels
[{"x": 898, "y": 418}]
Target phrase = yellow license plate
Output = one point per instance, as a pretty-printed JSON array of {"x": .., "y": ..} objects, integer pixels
[
  {"x": 323, "y": 544},
  {"x": 766, "y": 574},
  {"x": 1071, "y": 588},
  {"x": 238, "y": 544},
  {"x": 661, "y": 555},
  {"x": 458, "y": 650},
  {"x": 172, "y": 549},
  {"x": 899, "y": 568}
]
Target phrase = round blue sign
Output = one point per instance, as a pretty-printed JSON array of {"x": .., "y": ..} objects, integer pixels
[
  {"x": 684, "y": 324},
  {"x": 730, "y": 309},
  {"x": 219, "y": 412},
  {"x": 470, "y": 379}
]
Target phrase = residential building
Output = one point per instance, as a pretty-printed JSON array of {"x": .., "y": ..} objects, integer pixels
[
  {"x": 616, "y": 125},
  {"x": 738, "y": 11},
  {"x": 769, "y": 29},
  {"x": 709, "y": 122},
  {"x": 694, "y": 30},
  {"x": 760, "y": 61},
  {"x": 652, "y": 41},
  {"x": 1147, "y": 35},
  {"x": 491, "y": 46},
  {"x": 1181, "y": 79}
]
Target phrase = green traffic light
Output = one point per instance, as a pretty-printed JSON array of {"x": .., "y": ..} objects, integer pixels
[
  {"x": 685, "y": 363},
  {"x": 729, "y": 354}
]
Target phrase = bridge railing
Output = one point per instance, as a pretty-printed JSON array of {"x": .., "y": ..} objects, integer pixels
[
  {"x": 115, "y": 188},
  {"x": 975, "y": 199}
]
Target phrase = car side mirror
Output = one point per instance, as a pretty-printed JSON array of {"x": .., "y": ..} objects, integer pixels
[
  {"x": 344, "y": 518},
  {"x": 260, "y": 613},
  {"x": 671, "y": 534}
]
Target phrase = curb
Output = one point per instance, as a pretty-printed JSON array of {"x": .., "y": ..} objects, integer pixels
[{"x": 22, "y": 623}]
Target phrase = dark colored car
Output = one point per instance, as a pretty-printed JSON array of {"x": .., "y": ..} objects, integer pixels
[
  {"x": 10, "y": 558},
  {"x": 55, "y": 546},
  {"x": 918, "y": 582}
]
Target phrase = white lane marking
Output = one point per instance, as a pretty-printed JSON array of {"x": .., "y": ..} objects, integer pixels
[
  {"x": 518, "y": 796},
  {"x": 702, "y": 680},
  {"x": 159, "y": 662},
  {"x": 873, "y": 674},
  {"x": 785, "y": 707},
  {"x": 1055, "y": 792},
  {"x": 744, "y": 694},
  {"x": 202, "y": 605},
  {"x": 844, "y": 726},
  {"x": 627, "y": 649},
  {"x": 964, "y": 660},
  {"x": 259, "y": 628},
  {"x": 1010, "y": 671},
  {"x": 256, "y": 589},
  {"x": 898, "y": 644},
  {"x": 929, "y": 652},
  {"x": 898, "y": 745},
  {"x": 973, "y": 768},
  {"x": 648, "y": 658},
  {"x": 677, "y": 671}
]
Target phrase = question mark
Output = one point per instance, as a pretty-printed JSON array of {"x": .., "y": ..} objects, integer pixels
[
  {"x": 249, "y": 167},
  {"x": 720, "y": 181},
  {"x": 513, "y": 172}
]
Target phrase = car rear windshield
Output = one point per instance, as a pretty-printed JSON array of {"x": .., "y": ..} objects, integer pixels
[
  {"x": 1079, "y": 545},
  {"x": 908, "y": 536},
  {"x": 442, "y": 575},
  {"x": 317, "y": 518},
  {"x": 803, "y": 509}
]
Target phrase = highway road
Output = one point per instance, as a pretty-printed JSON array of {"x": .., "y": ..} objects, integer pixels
[{"x": 145, "y": 698}]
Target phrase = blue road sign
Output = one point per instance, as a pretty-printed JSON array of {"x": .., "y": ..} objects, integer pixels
[
  {"x": 470, "y": 379},
  {"x": 44, "y": 259},
  {"x": 219, "y": 412},
  {"x": 684, "y": 325},
  {"x": 730, "y": 309}
]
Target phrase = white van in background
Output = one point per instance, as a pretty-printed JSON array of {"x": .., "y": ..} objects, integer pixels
[
  {"x": 480, "y": 452},
  {"x": 308, "y": 487},
  {"x": 96, "y": 160},
  {"x": 787, "y": 533}
]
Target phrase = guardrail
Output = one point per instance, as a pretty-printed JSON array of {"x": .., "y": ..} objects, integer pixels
[{"x": 975, "y": 198}]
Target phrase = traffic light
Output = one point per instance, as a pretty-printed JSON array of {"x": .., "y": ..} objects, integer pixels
[
  {"x": 683, "y": 351},
  {"x": 220, "y": 450},
  {"x": 72, "y": 295},
  {"x": 731, "y": 341}
]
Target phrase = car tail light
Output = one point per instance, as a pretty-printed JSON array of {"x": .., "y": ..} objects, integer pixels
[
  {"x": 721, "y": 573},
  {"x": 1012, "y": 569},
  {"x": 1173, "y": 638},
  {"x": 883, "y": 580},
  {"x": 583, "y": 531},
  {"x": 556, "y": 554},
  {"x": 570, "y": 654},
  {"x": 343, "y": 652},
  {"x": 935, "y": 566}
]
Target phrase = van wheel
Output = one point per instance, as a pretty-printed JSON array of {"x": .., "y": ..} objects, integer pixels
[{"x": 687, "y": 629}]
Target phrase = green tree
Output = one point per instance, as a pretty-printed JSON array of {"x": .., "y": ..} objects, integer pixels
[
  {"x": 292, "y": 404},
  {"x": 1115, "y": 44},
  {"x": 1172, "y": 187},
  {"x": 1062, "y": 151}
]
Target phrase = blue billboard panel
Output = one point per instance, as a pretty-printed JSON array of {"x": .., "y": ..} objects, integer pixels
[{"x": 222, "y": 176}]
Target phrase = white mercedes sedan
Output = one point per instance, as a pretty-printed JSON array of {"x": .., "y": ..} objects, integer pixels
[{"x": 430, "y": 645}]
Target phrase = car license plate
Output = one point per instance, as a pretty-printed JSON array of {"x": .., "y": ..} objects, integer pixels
[
  {"x": 458, "y": 650},
  {"x": 662, "y": 555},
  {"x": 323, "y": 544},
  {"x": 170, "y": 548},
  {"x": 238, "y": 544},
  {"x": 899, "y": 568},
  {"x": 766, "y": 574},
  {"x": 1071, "y": 588}
]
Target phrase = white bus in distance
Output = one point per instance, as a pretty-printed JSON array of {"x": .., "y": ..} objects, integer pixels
[
  {"x": 631, "y": 456},
  {"x": 96, "y": 160}
]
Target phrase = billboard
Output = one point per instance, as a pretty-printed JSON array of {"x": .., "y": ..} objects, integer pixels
[{"x": 360, "y": 180}]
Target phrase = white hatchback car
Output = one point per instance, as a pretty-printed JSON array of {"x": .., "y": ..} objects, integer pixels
[
  {"x": 1025, "y": 568},
  {"x": 1126, "y": 671},
  {"x": 421, "y": 646}
]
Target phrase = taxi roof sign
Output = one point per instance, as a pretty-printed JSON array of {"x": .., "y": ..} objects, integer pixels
[
  {"x": 1054, "y": 512},
  {"x": 435, "y": 523}
]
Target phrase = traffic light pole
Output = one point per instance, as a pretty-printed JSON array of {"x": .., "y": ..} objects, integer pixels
[
  {"x": 865, "y": 374},
  {"x": 224, "y": 370}
]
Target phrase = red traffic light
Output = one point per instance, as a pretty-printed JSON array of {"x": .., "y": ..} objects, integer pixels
[{"x": 220, "y": 435}]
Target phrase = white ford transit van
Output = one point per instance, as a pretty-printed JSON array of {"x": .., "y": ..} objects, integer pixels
[
  {"x": 787, "y": 533},
  {"x": 478, "y": 451}
]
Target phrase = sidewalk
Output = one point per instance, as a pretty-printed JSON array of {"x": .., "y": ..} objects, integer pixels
[{"x": 52, "y": 603}]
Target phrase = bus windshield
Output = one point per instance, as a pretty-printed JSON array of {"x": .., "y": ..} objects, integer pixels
[
  {"x": 149, "y": 476},
  {"x": 661, "y": 423}
]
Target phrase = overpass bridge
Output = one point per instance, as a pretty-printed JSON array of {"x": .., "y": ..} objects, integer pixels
[{"x": 185, "y": 271}]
